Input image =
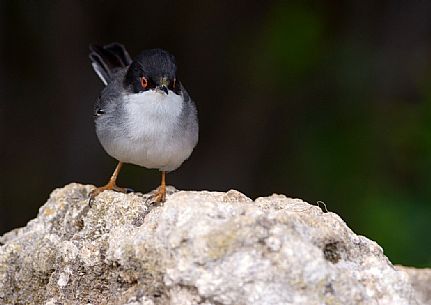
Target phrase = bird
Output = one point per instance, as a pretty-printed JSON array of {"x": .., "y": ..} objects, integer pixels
[{"x": 144, "y": 115}]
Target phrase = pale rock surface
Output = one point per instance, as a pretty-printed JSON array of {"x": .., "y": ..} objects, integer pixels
[
  {"x": 421, "y": 282},
  {"x": 197, "y": 248}
]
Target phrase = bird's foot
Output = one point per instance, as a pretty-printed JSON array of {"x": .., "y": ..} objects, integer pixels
[
  {"x": 110, "y": 186},
  {"x": 159, "y": 196}
]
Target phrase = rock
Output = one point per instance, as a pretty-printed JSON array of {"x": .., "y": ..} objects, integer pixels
[
  {"x": 197, "y": 248},
  {"x": 421, "y": 282}
]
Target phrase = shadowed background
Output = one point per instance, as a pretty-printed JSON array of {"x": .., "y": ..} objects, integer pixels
[{"x": 323, "y": 100}]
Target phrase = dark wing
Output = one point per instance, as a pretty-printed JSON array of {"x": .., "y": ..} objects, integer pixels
[{"x": 108, "y": 59}]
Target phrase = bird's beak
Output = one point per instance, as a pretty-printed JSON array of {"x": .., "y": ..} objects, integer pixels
[
  {"x": 164, "y": 83},
  {"x": 163, "y": 88}
]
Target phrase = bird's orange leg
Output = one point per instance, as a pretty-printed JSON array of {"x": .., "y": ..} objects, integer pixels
[
  {"x": 110, "y": 185},
  {"x": 161, "y": 193}
]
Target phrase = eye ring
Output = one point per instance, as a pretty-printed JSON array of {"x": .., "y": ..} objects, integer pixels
[{"x": 144, "y": 82}]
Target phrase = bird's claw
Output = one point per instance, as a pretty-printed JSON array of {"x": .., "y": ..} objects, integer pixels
[
  {"x": 95, "y": 192},
  {"x": 158, "y": 197},
  {"x": 129, "y": 190}
]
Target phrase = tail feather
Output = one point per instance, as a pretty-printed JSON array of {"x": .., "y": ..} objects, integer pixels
[{"x": 107, "y": 59}]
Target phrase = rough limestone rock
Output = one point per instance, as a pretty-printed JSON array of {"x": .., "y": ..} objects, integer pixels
[
  {"x": 421, "y": 282},
  {"x": 197, "y": 248}
]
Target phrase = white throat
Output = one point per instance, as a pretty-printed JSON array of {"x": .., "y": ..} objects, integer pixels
[{"x": 152, "y": 112}]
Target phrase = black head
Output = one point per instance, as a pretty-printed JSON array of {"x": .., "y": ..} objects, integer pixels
[{"x": 153, "y": 69}]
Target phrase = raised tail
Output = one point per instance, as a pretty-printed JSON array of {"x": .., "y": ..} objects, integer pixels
[{"x": 107, "y": 59}]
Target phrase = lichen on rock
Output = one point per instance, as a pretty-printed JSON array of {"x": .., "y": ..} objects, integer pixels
[{"x": 196, "y": 248}]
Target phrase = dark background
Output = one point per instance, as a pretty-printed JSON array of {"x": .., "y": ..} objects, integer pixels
[{"x": 323, "y": 100}]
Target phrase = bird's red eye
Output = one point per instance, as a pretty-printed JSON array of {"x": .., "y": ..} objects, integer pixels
[{"x": 144, "y": 82}]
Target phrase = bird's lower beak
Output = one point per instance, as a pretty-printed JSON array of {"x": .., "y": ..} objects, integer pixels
[
  {"x": 163, "y": 88},
  {"x": 163, "y": 84}
]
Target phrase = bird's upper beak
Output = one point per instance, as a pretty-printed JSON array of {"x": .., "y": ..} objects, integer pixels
[{"x": 164, "y": 84}]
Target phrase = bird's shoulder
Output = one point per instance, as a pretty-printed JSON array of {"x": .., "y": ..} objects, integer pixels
[
  {"x": 111, "y": 94},
  {"x": 190, "y": 104},
  {"x": 189, "y": 114}
]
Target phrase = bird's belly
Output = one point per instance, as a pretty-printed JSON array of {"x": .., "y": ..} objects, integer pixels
[
  {"x": 150, "y": 146},
  {"x": 148, "y": 130}
]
